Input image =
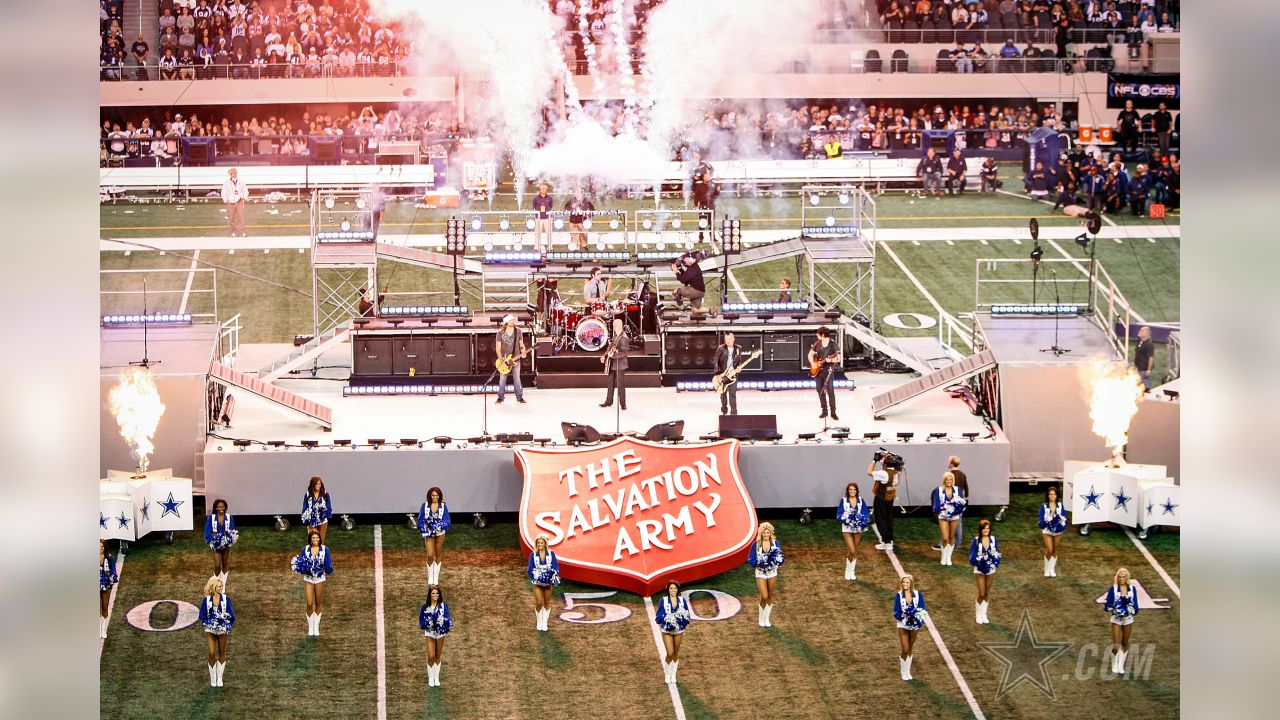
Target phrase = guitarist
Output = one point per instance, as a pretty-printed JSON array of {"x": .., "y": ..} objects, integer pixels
[
  {"x": 615, "y": 364},
  {"x": 824, "y": 355},
  {"x": 509, "y": 346},
  {"x": 726, "y": 356}
]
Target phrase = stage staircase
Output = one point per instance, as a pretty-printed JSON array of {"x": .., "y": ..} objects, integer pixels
[
  {"x": 304, "y": 354},
  {"x": 426, "y": 258},
  {"x": 755, "y": 255},
  {"x": 949, "y": 375},
  {"x": 291, "y": 401},
  {"x": 505, "y": 288}
]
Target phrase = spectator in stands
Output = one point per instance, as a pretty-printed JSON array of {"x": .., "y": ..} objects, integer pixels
[
  {"x": 141, "y": 51},
  {"x": 979, "y": 56},
  {"x": 1139, "y": 189},
  {"x": 1165, "y": 25},
  {"x": 168, "y": 65},
  {"x": 257, "y": 64},
  {"x": 1008, "y": 53},
  {"x": 989, "y": 175},
  {"x": 1039, "y": 181},
  {"x": 184, "y": 20},
  {"x": 957, "y": 168},
  {"x": 929, "y": 170},
  {"x": 960, "y": 56},
  {"x": 186, "y": 40},
  {"x": 167, "y": 20},
  {"x": 1162, "y": 120},
  {"x": 110, "y": 60},
  {"x": 833, "y": 148},
  {"x": 239, "y": 65}
]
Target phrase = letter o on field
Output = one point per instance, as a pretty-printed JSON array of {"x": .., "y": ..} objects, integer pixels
[
  {"x": 140, "y": 615},
  {"x": 909, "y": 321}
]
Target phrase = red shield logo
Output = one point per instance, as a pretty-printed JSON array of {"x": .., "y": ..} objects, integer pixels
[{"x": 632, "y": 514}]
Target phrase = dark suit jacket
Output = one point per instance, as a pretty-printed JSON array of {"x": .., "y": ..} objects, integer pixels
[{"x": 623, "y": 344}]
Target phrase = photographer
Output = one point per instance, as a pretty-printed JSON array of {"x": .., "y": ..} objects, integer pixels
[
  {"x": 885, "y": 489},
  {"x": 692, "y": 287}
]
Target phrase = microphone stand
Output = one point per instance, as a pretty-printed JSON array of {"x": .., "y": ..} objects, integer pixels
[
  {"x": 1057, "y": 301},
  {"x": 484, "y": 393},
  {"x": 146, "y": 361}
]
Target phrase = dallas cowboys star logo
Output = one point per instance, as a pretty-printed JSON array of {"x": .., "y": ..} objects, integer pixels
[
  {"x": 1168, "y": 506},
  {"x": 102, "y": 520},
  {"x": 1150, "y": 507},
  {"x": 1026, "y": 659},
  {"x": 122, "y": 521},
  {"x": 146, "y": 510},
  {"x": 1122, "y": 500},
  {"x": 170, "y": 506},
  {"x": 1092, "y": 498}
]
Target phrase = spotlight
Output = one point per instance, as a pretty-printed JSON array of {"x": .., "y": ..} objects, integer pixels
[
  {"x": 844, "y": 198},
  {"x": 613, "y": 224},
  {"x": 281, "y": 524},
  {"x": 806, "y": 517},
  {"x": 345, "y": 225},
  {"x": 455, "y": 236},
  {"x": 600, "y": 245},
  {"x": 813, "y": 199},
  {"x": 442, "y": 440},
  {"x": 377, "y": 442},
  {"x": 342, "y": 443},
  {"x": 347, "y": 523},
  {"x": 242, "y": 444},
  {"x": 558, "y": 224},
  {"x": 360, "y": 202},
  {"x": 277, "y": 444},
  {"x": 328, "y": 202},
  {"x": 476, "y": 223},
  {"x": 730, "y": 236},
  {"x": 660, "y": 246},
  {"x": 905, "y": 436},
  {"x": 529, "y": 224},
  {"x": 937, "y": 436},
  {"x": 840, "y": 436},
  {"x": 807, "y": 436},
  {"x": 675, "y": 223},
  {"x": 830, "y": 221},
  {"x": 648, "y": 223},
  {"x": 309, "y": 444},
  {"x": 504, "y": 224},
  {"x": 870, "y": 436},
  {"x": 971, "y": 436},
  {"x": 542, "y": 441},
  {"x": 410, "y": 442},
  {"x": 412, "y": 522},
  {"x": 479, "y": 521},
  {"x": 702, "y": 223},
  {"x": 488, "y": 246}
]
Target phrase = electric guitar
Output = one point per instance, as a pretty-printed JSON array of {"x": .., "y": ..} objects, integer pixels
[
  {"x": 722, "y": 381},
  {"x": 815, "y": 367},
  {"x": 506, "y": 364}
]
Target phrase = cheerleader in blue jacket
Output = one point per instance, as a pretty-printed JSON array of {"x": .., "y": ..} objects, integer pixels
[
  {"x": 220, "y": 534},
  {"x": 314, "y": 563},
  {"x": 1053, "y": 523},
  {"x": 317, "y": 507},
  {"x": 910, "y": 612},
  {"x": 766, "y": 558},
  {"x": 854, "y": 516},
  {"x": 433, "y": 523},
  {"x": 217, "y": 617},
  {"x": 1122, "y": 606},
  {"x": 544, "y": 573},
  {"x": 673, "y": 616},
  {"x": 984, "y": 556},
  {"x": 107, "y": 579},
  {"x": 436, "y": 622},
  {"x": 948, "y": 506}
]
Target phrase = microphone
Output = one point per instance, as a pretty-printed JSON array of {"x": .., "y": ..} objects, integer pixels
[{"x": 1054, "y": 272}]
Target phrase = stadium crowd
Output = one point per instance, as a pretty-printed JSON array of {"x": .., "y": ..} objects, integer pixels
[{"x": 1112, "y": 16}]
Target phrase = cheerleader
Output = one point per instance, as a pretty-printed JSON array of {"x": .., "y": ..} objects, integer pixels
[
  {"x": 107, "y": 579},
  {"x": 1122, "y": 605},
  {"x": 433, "y": 523},
  {"x": 544, "y": 573},
  {"x": 314, "y": 563},
  {"x": 220, "y": 534},
  {"x": 766, "y": 558},
  {"x": 436, "y": 622},
  {"x": 984, "y": 556},
  {"x": 854, "y": 516},
  {"x": 910, "y": 612},
  {"x": 317, "y": 508},
  {"x": 1053, "y": 523},
  {"x": 217, "y": 616},
  {"x": 673, "y": 617},
  {"x": 948, "y": 506}
]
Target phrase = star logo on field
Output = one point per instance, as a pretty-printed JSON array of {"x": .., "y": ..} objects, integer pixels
[
  {"x": 1122, "y": 500},
  {"x": 1168, "y": 506},
  {"x": 122, "y": 522},
  {"x": 1025, "y": 659},
  {"x": 170, "y": 506},
  {"x": 1092, "y": 498},
  {"x": 102, "y": 520}
]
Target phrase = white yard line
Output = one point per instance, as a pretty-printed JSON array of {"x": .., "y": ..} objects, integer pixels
[
  {"x": 112, "y": 602},
  {"x": 380, "y": 622},
  {"x": 1154, "y": 563},
  {"x": 942, "y": 313},
  {"x": 733, "y": 283},
  {"x": 1096, "y": 281},
  {"x": 937, "y": 640},
  {"x": 186, "y": 291},
  {"x": 662, "y": 656}
]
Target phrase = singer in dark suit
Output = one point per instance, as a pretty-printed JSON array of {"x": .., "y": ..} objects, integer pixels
[
  {"x": 616, "y": 355},
  {"x": 726, "y": 356}
]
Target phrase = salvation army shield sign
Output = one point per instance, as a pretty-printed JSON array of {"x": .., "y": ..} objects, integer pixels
[{"x": 632, "y": 514}]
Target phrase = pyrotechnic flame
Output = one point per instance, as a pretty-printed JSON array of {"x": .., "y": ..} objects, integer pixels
[
  {"x": 135, "y": 403},
  {"x": 1114, "y": 393}
]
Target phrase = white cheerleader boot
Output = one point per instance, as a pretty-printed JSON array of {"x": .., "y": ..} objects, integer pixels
[
  {"x": 318, "y": 624},
  {"x": 675, "y": 669},
  {"x": 760, "y": 618},
  {"x": 846, "y": 569},
  {"x": 213, "y": 675},
  {"x": 431, "y": 676},
  {"x": 102, "y": 627},
  {"x": 1121, "y": 656},
  {"x": 977, "y": 612},
  {"x": 311, "y": 625},
  {"x": 438, "y": 667},
  {"x": 219, "y": 668},
  {"x": 666, "y": 672},
  {"x": 546, "y": 614},
  {"x": 223, "y": 578},
  {"x": 768, "y": 610},
  {"x": 1048, "y": 563},
  {"x": 986, "y": 605},
  {"x": 1115, "y": 657},
  {"x": 902, "y": 669},
  {"x": 1053, "y": 566},
  {"x": 853, "y": 569},
  {"x": 909, "y": 659}
]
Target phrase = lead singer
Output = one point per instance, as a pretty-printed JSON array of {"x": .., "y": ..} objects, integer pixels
[
  {"x": 615, "y": 363},
  {"x": 824, "y": 355}
]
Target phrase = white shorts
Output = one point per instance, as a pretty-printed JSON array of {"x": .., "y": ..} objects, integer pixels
[
  {"x": 766, "y": 574},
  {"x": 903, "y": 626},
  {"x": 976, "y": 571},
  {"x": 217, "y": 630},
  {"x": 1126, "y": 620},
  {"x": 434, "y": 635},
  {"x": 433, "y": 533},
  {"x": 854, "y": 531},
  {"x": 1051, "y": 533},
  {"x": 313, "y": 580}
]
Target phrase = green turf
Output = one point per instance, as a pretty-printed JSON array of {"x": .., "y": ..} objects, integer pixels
[{"x": 832, "y": 646}]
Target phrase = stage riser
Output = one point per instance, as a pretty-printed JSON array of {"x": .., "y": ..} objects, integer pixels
[
  {"x": 591, "y": 364},
  {"x": 597, "y": 379},
  {"x": 394, "y": 480}
]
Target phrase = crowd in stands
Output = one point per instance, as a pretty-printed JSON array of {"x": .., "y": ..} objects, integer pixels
[
  {"x": 111, "y": 53},
  {"x": 1086, "y": 182},
  {"x": 1112, "y": 16}
]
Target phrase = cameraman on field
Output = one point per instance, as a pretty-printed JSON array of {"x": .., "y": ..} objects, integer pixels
[{"x": 885, "y": 489}]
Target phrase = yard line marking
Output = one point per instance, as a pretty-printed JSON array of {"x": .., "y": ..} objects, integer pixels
[
  {"x": 186, "y": 291},
  {"x": 1155, "y": 564},
  {"x": 112, "y": 602},
  {"x": 662, "y": 656},
  {"x": 942, "y": 313},
  {"x": 380, "y": 622},
  {"x": 1097, "y": 281},
  {"x": 733, "y": 282},
  {"x": 937, "y": 640}
]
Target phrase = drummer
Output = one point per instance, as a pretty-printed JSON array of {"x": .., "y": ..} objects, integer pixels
[{"x": 596, "y": 292}]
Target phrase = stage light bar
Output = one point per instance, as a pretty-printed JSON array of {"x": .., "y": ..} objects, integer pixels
[
  {"x": 344, "y": 236},
  {"x": 730, "y": 235},
  {"x": 424, "y": 310},
  {"x": 766, "y": 307},
  {"x": 795, "y": 384},
  {"x": 512, "y": 257},
  {"x": 152, "y": 319},
  {"x": 1037, "y": 309},
  {"x": 577, "y": 255},
  {"x": 829, "y": 229},
  {"x": 658, "y": 255},
  {"x": 388, "y": 390}
]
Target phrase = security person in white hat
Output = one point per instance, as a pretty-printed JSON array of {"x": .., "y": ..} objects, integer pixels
[{"x": 509, "y": 348}]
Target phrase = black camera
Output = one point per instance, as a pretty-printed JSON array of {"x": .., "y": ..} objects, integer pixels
[{"x": 889, "y": 460}]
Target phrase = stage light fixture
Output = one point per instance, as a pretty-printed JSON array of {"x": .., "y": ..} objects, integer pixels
[
  {"x": 1082, "y": 240},
  {"x": 455, "y": 236},
  {"x": 870, "y": 436},
  {"x": 281, "y": 524},
  {"x": 542, "y": 441},
  {"x": 558, "y": 223},
  {"x": 529, "y": 223},
  {"x": 613, "y": 224},
  {"x": 806, "y": 516},
  {"x": 476, "y": 223},
  {"x": 488, "y": 246},
  {"x": 808, "y": 436},
  {"x": 600, "y": 246},
  {"x": 328, "y": 202},
  {"x": 478, "y": 521},
  {"x": 844, "y": 198},
  {"x": 310, "y": 444},
  {"x": 730, "y": 236},
  {"x": 648, "y": 223},
  {"x": 1036, "y": 253},
  {"x": 412, "y": 521},
  {"x": 377, "y": 442},
  {"x": 342, "y": 443},
  {"x": 442, "y": 440},
  {"x": 832, "y": 315},
  {"x": 813, "y": 199},
  {"x": 660, "y": 246},
  {"x": 840, "y": 436},
  {"x": 518, "y": 244},
  {"x": 504, "y": 223},
  {"x": 242, "y": 444},
  {"x": 347, "y": 523},
  {"x": 345, "y": 225},
  {"x": 410, "y": 442},
  {"x": 277, "y": 444},
  {"x": 361, "y": 203},
  {"x": 702, "y": 222},
  {"x": 586, "y": 223},
  {"x": 937, "y": 436},
  {"x": 830, "y": 221},
  {"x": 152, "y": 319},
  {"x": 905, "y": 436},
  {"x": 970, "y": 436},
  {"x": 1171, "y": 394},
  {"x": 675, "y": 223},
  {"x": 757, "y": 307}
]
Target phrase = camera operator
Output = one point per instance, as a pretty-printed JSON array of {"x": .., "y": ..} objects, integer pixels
[
  {"x": 885, "y": 489},
  {"x": 689, "y": 273},
  {"x": 705, "y": 190}
]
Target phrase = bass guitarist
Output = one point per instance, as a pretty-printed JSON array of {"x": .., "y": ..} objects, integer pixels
[
  {"x": 509, "y": 349},
  {"x": 726, "y": 356},
  {"x": 615, "y": 364},
  {"x": 823, "y": 358}
]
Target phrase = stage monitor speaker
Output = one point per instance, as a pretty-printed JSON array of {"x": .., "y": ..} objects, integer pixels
[
  {"x": 665, "y": 431},
  {"x": 484, "y": 353},
  {"x": 575, "y": 433},
  {"x": 690, "y": 351},
  {"x": 748, "y": 427},
  {"x": 451, "y": 355},
  {"x": 372, "y": 356},
  {"x": 411, "y": 352}
]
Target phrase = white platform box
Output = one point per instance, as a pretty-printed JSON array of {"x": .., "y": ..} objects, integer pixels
[{"x": 1109, "y": 494}]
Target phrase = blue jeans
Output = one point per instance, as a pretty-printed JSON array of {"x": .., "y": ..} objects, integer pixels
[
  {"x": 515, "y": 377},
  {"x": 959, "y": 531}
]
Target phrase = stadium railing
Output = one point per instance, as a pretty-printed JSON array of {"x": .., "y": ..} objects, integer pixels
[{"x": 324, "y": 149}]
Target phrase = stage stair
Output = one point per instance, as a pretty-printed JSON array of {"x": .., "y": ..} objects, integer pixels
[
  {"x": 505, "y": 288},
  {"x": 426, "y": 258},
  {"x": 312, "y": 350},
  {"x": 755, "y": 255},
  {"x": 276, "y": 394},
  {"x": 884, "y": 345},
  {"x": 948, "y": 375}
]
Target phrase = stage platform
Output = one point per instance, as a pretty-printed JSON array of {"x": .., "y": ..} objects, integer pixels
[{"x": 266, "y": 481}]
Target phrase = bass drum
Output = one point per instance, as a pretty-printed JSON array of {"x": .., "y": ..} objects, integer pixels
[{"x": 591, "y": 334}]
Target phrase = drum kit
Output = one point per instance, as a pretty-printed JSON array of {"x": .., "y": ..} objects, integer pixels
[{"x": 589, "y": 329}]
